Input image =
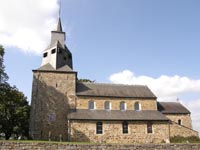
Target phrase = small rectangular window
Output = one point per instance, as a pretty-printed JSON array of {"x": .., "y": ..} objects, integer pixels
[
  {"x": 99, "y": 128},
  {"x": 53, "y": 51},
  {"x": 149, "y": 127},
  {"x": 91, "y": 105},
  {"x": 122, "y": 106},
  {"x": 125, "y": 127},
  {"x": 179, "y": 122},
  {"x": 45, "y": 54}
]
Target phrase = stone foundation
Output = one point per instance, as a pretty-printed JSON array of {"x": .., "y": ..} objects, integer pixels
[{"x": 58, "y": 146}]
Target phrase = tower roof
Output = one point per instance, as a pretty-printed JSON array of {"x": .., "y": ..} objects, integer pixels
[
  {"x": 59, "y": 26},
  {"x": 57, "y": 54}
]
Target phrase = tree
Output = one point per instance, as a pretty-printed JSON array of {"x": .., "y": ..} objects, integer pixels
[
  {"x": 3, "y": 75},
  {"x": 14, "y": 111},
  {"x": 14, "y": 108},
  {"x": 86, "y": 80}
]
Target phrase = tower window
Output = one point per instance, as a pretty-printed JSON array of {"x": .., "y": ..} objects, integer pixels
[
  {"x": 122, "y": 106},
  {"x": 99, "y": 128},
  {"x": 179, "y": 122},
  {"x": 149, "y": 127},
  {"x": 65, "y": 58},
  {"x": 45, "y": 54},
  {"x": 53, "y": 51},
  {"x": 125, "y": 127}
]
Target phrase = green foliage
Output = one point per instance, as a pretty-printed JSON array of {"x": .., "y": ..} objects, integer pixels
[
  {"x": 1, "y": 50},
  {"x": 14, "y": 108},
  {"x": 3, "y": 75},
  {"x": 14, "y": 111},
  {"x": 86, "y": 80},
  {"x": 180, "y": 139}
]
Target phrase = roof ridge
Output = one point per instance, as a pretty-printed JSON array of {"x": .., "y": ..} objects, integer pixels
[
  {"x": 114, "y": 84},
  {"x": 169, "y": 102}
]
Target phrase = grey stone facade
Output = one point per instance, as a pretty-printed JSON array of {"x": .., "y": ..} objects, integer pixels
[{"x": 60, "y": 106}]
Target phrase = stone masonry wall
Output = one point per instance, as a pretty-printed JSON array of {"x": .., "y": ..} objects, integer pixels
[
  {"x": 53, "y": 93},
  {"x": 85, "y": 131},
  {"x": 185, "y": 119},
  {"x": 176, "y": 130},
  {"x": 60, "y": 146},
  {"x": 146, "y": 104},
  {"x": 185, "y": 129}
]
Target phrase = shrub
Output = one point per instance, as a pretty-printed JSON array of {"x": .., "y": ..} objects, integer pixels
[{"x": 181, "y": 139}]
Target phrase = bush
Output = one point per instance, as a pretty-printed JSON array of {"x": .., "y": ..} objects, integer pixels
[{"x": 181, "y": 139}]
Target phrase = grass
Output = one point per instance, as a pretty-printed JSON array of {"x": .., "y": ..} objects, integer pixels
[
  {"x": 176, "y": 139},
  {"x": 44, "y": 141}
]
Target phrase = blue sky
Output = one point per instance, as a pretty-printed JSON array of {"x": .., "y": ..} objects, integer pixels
[{"x": 149, "y": 42}]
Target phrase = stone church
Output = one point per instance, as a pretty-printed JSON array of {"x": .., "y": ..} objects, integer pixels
[{"x": 64, "y": 109}]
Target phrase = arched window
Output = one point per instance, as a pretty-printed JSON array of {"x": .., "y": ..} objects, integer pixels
[
  {"x": 91, "y": 105},
  {"x": 137, "y": 106},
  {"x": 122, "y": 106},
  {"x": 107, "y": 105}
]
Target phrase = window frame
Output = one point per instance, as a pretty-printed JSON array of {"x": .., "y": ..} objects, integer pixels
[
  {"x": 45, "y": 54},
  {"x": 107, "y": 105},
  {"x": 125, "y": 127},
  {"x": 99, "y": 127},
  {"x": 149, "y": 127},
  {"x": 137, "y": 106},
  {"x": 91, "y": 103},
  {"x": 179, "y": 122},
  {"x": 122, "y": 104},
  {"x": 53, "y": 51}
]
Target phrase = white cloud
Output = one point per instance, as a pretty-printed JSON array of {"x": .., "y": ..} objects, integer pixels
[
  {"x": 167, "y": 88},
  {"x": 164, "y": 86},
  {"x": 26, "y": 24},
  {"x": 194, "y": 107}
]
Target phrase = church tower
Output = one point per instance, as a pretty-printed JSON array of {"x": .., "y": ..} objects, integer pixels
[
  {"x": 57, "y": 54},
  {"x": 53, "y": 90}
]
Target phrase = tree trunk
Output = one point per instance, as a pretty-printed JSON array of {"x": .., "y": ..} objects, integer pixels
[{"x": 7, "y": 136}]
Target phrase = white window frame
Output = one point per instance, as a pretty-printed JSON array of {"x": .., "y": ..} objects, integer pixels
[
  {"x": 139, "y": 106},
  {"x": 109, "y": 105},
  {"x": 123, "y": 107},
  {"x": 89, "y": 104}
]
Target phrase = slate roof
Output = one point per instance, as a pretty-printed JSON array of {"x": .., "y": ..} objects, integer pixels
[
  {"x": 146, "y": 115},
  {"x": 114, "y": 90},
  {"x": 172, "y": 108},
  {"x": 56, "y": 44},
  {"x": 48, "y": 67}
]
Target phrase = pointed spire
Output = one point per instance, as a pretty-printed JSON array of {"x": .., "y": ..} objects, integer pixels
[{"x": 59, "y": 26}]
